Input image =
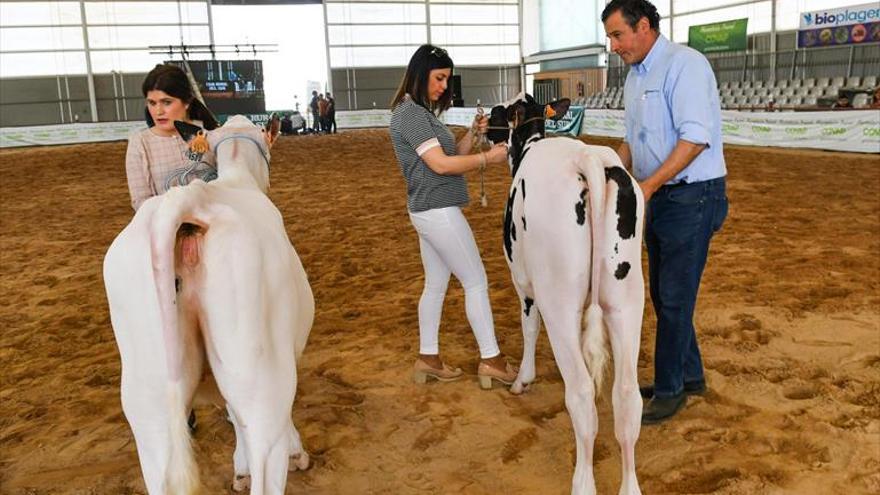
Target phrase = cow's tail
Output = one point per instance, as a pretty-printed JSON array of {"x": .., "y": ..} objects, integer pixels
[
  {"x": 177, "y": 207},
  {"x": 593, "y": 342}
]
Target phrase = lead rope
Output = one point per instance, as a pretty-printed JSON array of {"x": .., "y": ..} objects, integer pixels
[{"x": 477, "y": 142}]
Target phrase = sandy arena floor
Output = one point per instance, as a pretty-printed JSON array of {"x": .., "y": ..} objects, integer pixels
[{"x": 788, "y": 321}]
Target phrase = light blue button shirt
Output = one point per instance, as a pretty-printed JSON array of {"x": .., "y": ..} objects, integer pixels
[{"x": 671, "y": 95}]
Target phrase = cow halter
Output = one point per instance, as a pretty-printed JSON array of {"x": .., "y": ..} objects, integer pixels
[
  {"x": 518, "y": 125},
  {"x": 248, "y": 138}
]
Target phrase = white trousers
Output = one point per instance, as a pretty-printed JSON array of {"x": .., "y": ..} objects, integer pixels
[{"x": 448, "y": 247}]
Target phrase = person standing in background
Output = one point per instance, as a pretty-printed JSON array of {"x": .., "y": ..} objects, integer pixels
[
  {"x": 331, "y": 114},
  {"x": 313, "y": 106}
]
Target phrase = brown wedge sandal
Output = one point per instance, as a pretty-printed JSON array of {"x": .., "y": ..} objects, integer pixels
[
  {"x": 486, "y": 374},
  {"x": 421, "y": 372}
]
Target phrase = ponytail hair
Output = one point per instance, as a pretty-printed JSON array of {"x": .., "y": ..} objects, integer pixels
[{"x": 172, "y": 80}]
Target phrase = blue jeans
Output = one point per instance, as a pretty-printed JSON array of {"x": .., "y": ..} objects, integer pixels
[{"x": 680, "y": 221}]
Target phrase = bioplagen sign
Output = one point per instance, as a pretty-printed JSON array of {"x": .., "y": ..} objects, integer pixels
[{"x": 840, "y": 17}]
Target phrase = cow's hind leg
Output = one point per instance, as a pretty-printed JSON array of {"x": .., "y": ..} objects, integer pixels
[
  {"x": 622, "y": 297},
  {"x": 262, "y": 442},
  {"x": 564, "y": 330},
  {"x": 531, "y": 325},
  {"x": 241, "y": 480},
  {"x": 299, "y": 458},
  {"x": 156, "y": 409},
  {"x": 146, "y": 409},
  {"x": 624, "y": 330}
]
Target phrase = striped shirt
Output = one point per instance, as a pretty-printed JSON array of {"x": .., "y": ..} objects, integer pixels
[
  {"x": 150, "y": 159},
  {"x": 415, "y": 130}
]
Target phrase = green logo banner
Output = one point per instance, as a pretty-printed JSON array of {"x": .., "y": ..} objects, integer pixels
[
  {"x": 569, "y": 124},
  {"x": 719, "y": 37}
]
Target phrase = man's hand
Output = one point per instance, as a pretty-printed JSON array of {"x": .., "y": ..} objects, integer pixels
[{"x": 648, "y": 190}]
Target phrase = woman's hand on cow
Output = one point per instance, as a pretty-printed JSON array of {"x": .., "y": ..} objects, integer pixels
[
  {"x": 497, "y": 153},
  {"x": 480, "y": 125}
]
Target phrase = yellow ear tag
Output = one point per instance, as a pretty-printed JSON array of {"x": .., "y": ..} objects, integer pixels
[
  {"x": 199, "y": 144},
  {"x": 549, "y": 113}
]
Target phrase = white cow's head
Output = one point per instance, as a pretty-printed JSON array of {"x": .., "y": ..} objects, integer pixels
[
  {"x": 241, "y": 147},
  {"x": 521, "y": 121}
]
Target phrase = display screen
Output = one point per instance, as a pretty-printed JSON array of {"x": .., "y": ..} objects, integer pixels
[{"x": 229, "y": 86}]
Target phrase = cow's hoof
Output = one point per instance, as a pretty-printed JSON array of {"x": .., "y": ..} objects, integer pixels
[
  {"x": 241, "y": 482},
  {"x": 519, "y": 388},
  {"x": 299, "y": 461}
]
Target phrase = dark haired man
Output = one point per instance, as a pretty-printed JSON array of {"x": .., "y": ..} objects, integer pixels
[{"x": 673, "y": 146}]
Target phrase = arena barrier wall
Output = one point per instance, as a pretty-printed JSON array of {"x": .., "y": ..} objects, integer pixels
[{"x": 856, "y": 130}]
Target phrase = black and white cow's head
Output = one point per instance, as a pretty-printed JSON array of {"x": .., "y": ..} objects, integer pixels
[{"x": 520, "y": 121}]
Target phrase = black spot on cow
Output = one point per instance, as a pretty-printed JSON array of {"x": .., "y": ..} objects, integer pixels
[
  {"x": 518, "y": 151},
  {"x": 626, "y": 201},
  {"x": 509, "y": 226},
  {"x": 524, "y": 222},
  {"x": 522, "y": 184},
  {"x": 529, "y": 301},
  {"x": 580, "y": 208},
  {"x": 615, "y": 248},
  {"x": 622, "y": 270}
]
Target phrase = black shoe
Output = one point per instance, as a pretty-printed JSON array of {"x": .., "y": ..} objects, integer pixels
[
  {"x": 659, "y": 410},
  {"x": 692, "y": 388},
  {"x": 191, "y": 422}
]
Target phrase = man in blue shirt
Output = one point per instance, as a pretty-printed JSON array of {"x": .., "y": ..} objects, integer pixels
[{"x": 673, "y": 147}]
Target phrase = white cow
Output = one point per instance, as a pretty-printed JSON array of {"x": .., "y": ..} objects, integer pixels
[
  {"x": 572, "y": 239},
  {"x": 242, "y": 300}
]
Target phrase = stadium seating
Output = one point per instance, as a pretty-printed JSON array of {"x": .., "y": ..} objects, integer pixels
[
  {"x": 786, "y": 94},
  {"x": 861, "y": 100}
]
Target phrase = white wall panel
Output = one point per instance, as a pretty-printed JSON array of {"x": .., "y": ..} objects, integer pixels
[
  {"x": 144, "y": 36},
  {"x": 24, "y": 13},
  {"x": 483, "y": 14},
  {"x": 375, "y": 13},
  {"x": 453, "y": 35},
  {"x": 368, "y": 56},
  {"x": 125, "y": 61},
  {"x": 42, "y": 64},
  {"x": 414, "y": 34},
  {"x": 42, "y": 38},
  {"x": 144, "y": 12},
  {"x": 484, "y": 55},
  {"x": 759, "y": 15},
  {"x": 685, "y": 6}
]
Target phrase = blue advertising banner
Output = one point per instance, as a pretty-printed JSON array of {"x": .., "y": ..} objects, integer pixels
[
  {"x": 843, "y": 26},
  {"x": 570, "y": 124}
]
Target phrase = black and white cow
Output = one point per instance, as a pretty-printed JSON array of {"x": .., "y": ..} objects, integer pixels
[{"x": 572, "y": 239}]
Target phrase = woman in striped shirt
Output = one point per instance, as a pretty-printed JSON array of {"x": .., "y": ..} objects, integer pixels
[
  {"x": 158, "y": 151},
  {"x": 432, "y": 164}
]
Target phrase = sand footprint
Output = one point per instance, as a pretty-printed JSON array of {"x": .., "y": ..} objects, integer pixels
[
  {"x": 801, "y": 392},
  {"x": 516, "y": 444}
]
